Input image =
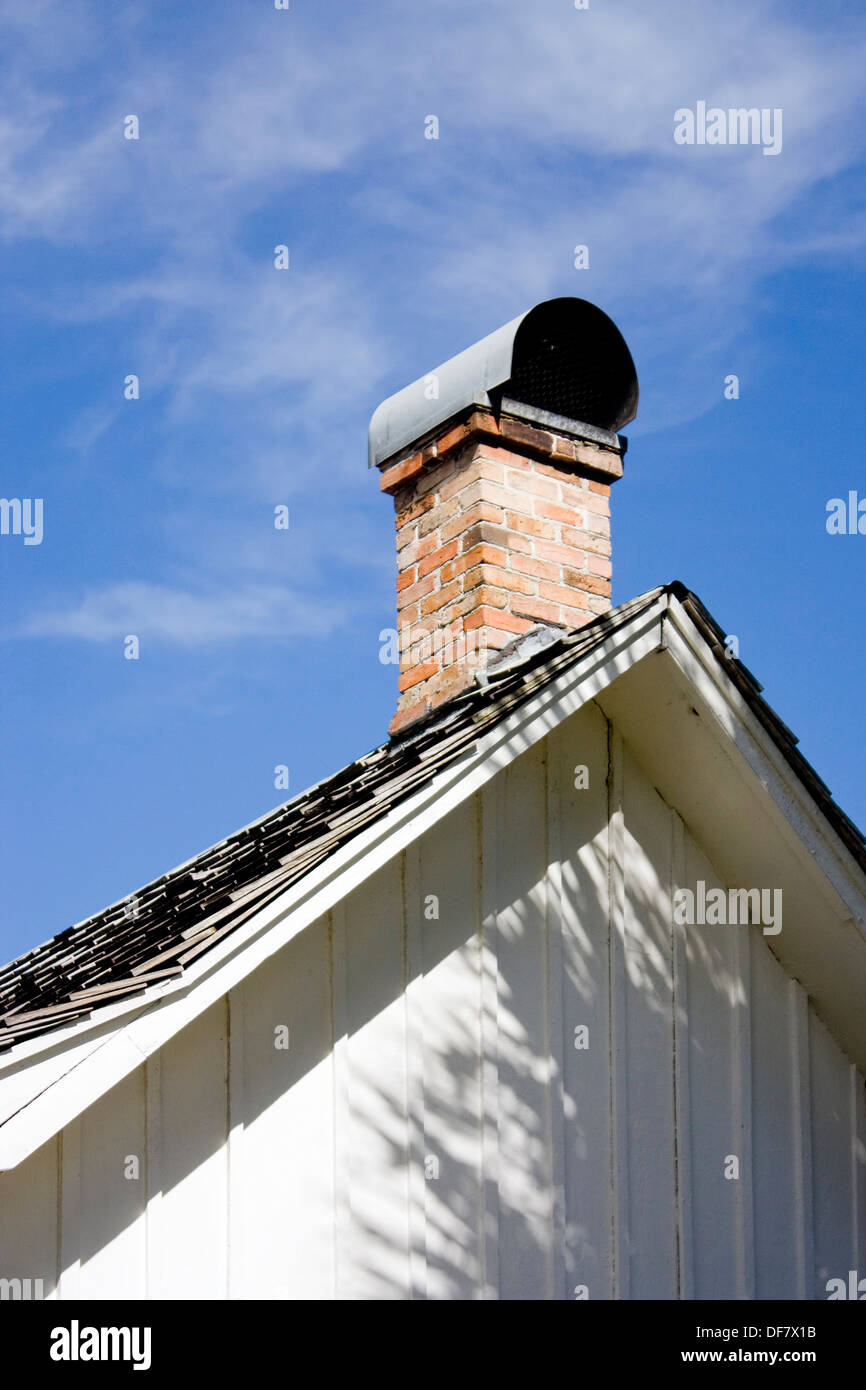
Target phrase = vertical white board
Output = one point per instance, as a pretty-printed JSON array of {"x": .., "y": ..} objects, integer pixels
[
  {"x": 285, "y": 1150},
  {"x": 832, "y": 1170},
  {"x": 776, "y": 1137},
  {"x": 716, "y": 1003},
  {"x": 443, "y": 1001},
  {"x": 188, "y": 1224},
  {"x": 652, "y": 1205},
  {"x": 518, "y": 891},
  {"x": 378, "y": 1129},
  {"x": 28, "y": 1219},
  {"x": 111, "y": 1235},
  {"x": 579, "y": 916}
]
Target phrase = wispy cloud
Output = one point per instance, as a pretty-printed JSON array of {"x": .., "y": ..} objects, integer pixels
[
  {"x": 556, "y": 129},
  {"x": 181, "y": 618},
  {"x": 588, "y": 94}
]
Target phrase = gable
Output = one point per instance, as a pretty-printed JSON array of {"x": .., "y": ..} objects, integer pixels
[{"x": 432, "y": 1130}]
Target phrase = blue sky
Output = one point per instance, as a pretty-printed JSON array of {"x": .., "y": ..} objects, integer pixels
[{"x": 305, "y": 127}]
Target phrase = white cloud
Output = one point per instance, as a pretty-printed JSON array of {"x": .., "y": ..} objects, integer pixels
[
  {"x": 177, "y": 617},
  {"x": 556, "y": 128}
]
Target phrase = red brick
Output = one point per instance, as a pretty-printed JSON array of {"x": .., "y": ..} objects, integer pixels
[
  {"x": 593, "y": 503},
  {"x": 597, "y": 525},
  {"x": 483, "y": 421},
  {"x": 597, "y": 564},
  {"x": 603, "y": 489},
  {"x": 402, "y": 472},
  {"x": 561, "y": 554},
  {"x": 492, "y": 617},
  {"x": 559, "y": 593},
  {"x": 574, "y": 617},
  {"x": 437, "y": 558},
  {"x": 496, "y": 454},
  {"x": 530, "y": 526},
  {"x": 409, "y": 714},
  {"x": 603, "y": 460},
  {"x": 537, "y": 610},
  {"x": 413, "y": 510},
  {"x": 433, "y": 520},
  {"x": 501, "y": 578},
  {"x": 418, "y": 591},
  {"x": 418, "y": 549},
  {"x": 539, "y": 569},
  {"x": 406, "y": 579},
  {"x": 574, "y": 574},
  {"x": 433, "y": 477},
  {"x": 416, "y": 674},
  {"x": 479, "y": 595},
  {"x": 585, "y": 540},
  {"x": 572, "y": 494},
  {"x": 513, "y": 542},
  {"x": 478, "y": 555},
  {"x": 567, "y": 515},
  {"x": 454, "y": 437},
  {"x": 482, "y": 490},
  {"x": 481, "y": 511},
  {"x": 526, "y": 434},
  {"x": 561, "y": 472},
  {"x": 474, "y": 471},
  {"x": 483, "y": 533},
  {"x": 433, "y": 602},
  {"x": 528, "y": 482},
  {"x": 593, "y": 584},
  {"x": 563, "y": 449},
  {"x": 451, "y": 681}
]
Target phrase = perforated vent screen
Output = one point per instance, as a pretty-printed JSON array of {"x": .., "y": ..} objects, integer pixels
[{"x": 581, "y": 369}]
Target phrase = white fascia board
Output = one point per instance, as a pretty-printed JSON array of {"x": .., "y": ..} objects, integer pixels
[
  {"x": 78, "y": 1082},
  {"x": 798, "y": 816}
]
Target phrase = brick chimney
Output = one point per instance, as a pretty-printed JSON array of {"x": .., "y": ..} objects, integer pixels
[{"x": 501, "y": 490}]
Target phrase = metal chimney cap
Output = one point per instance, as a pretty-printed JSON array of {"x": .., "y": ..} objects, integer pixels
[{"x": 564, "y": 357}]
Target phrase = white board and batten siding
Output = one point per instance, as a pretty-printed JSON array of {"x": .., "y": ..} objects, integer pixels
[{"x": 433, "y": 1131}]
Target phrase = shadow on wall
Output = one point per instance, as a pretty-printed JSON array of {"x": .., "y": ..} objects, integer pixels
[{"x": 462, "y": 1140}]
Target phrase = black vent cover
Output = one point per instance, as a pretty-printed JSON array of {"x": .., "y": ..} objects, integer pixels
[{"x": 570, "y": 359}]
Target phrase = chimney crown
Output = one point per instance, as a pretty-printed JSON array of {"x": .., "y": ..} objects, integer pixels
[{"x": 500, "y": 463}]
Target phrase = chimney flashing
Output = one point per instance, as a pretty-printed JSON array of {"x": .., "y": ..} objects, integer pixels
[{"x": 519, "y": 652}]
